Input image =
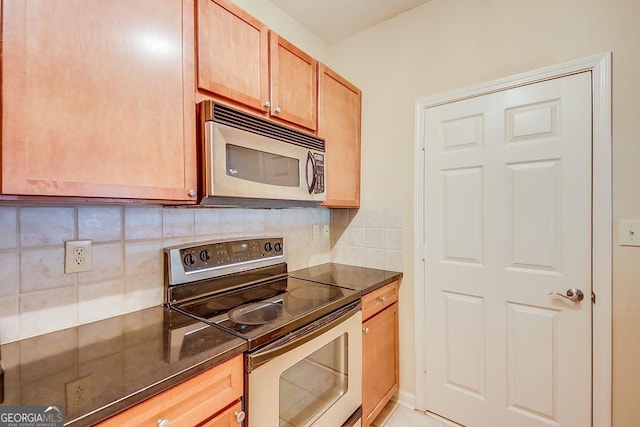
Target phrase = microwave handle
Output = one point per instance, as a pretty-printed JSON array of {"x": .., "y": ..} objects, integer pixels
[{"x": 314, "y": 170}]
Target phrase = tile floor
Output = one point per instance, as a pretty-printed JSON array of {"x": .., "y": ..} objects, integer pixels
[{"x": 394, "y": 415}]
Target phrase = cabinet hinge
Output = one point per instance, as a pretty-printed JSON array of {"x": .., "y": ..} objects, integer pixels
[{"x": 593, "y": 297}]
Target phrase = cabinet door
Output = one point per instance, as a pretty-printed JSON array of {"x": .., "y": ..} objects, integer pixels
[
  {"x": 379, "y": 362},
  {"x": 294, "y": 84},
  {"x": 233, "y": 49},
  {"x": 94, "y": 101},
  {"x": 339, "y": 105}
]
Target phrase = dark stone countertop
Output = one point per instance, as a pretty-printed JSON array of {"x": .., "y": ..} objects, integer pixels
[
  {"x": 117, "y": 362},
  {"x": 360, "y": 279}
]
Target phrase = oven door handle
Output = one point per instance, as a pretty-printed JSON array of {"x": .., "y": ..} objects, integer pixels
[{"x": 301, "y": 336}]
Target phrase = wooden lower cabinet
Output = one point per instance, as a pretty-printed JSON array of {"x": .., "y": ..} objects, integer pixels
[
  {"x": 212, "y": 398},
  {"x": 380, "y": 364}
]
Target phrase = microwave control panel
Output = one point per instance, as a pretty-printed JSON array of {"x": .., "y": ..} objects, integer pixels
[{"x": 319, "y": 160}]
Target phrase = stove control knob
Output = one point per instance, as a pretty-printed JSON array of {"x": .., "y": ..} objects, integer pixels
[
  {"x": 267, "y": 246},
  {"x": 277, "y": 247},
  {"x": 189, "y": 259},
  {"x": 205, "y": 255}
]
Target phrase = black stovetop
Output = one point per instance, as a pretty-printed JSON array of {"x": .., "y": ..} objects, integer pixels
[{"x": 263, "y": 312}]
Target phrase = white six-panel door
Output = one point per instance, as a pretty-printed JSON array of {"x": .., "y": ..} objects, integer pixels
[{"x": 507, "y": 223}]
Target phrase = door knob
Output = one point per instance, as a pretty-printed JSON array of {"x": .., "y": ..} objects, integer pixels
[{"x": 572, "y": 294}]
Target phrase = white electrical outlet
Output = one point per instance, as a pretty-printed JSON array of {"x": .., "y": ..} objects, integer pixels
[
  {"x": 325, "y": 231},
  {"x": 77, "y": 256}
]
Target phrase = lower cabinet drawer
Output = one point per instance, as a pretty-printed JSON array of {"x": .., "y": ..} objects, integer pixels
[
  {"x": 189, "y": 403},
  {"x": 376, "y": 301}
]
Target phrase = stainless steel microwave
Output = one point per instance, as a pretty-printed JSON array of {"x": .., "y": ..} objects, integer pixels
[{"x": 250, "y": 161}]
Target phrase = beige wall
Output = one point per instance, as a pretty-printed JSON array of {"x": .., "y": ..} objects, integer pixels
[{"x": 445, "y": 45}]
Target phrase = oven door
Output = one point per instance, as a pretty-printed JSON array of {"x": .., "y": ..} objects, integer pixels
[
  {"x": 313, "y": 378},
  {"x": 242, "y": 164}
]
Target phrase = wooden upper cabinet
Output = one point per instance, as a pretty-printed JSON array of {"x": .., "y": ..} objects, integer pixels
[
  {"x": 294, "y": 84},
  {"x": 339, "y": 118},
  {"x": 95, "y": 100},
  {"x": 243, "y": 63},
  {"x": 233, "y": 53}
]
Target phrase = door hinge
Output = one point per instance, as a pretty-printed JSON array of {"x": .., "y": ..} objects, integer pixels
[
  {"x": 424, "y": 366},
  {"x": 593, "y": 297}
]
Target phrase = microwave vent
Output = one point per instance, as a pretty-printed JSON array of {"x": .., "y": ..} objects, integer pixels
[{"x": 241, "y": 120}]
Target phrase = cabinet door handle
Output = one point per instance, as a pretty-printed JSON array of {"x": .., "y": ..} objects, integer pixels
[
  {"x": 277, "y": 110},
  {"x": 382, "y": 299},
  {"x": 266, "y": 104},
  {"x": 163, "y": 423},
  {"x": 365, "y": 330},
  {"x": 239, "y": 416}
]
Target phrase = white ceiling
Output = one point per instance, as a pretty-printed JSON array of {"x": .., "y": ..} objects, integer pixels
[{"x": 334, "y": 20}]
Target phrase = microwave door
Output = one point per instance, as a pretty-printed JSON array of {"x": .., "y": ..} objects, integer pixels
[{"x": 243, "y": 164}]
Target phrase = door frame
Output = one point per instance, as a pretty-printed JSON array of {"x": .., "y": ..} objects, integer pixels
[{"x": 600, "y": 67}]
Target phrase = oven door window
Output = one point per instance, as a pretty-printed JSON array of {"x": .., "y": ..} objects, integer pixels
[
  {"x": 263, "y": 167},
  {"x": 314, "y": 384}
]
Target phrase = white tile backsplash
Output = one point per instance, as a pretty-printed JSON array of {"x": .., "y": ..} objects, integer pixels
[
  {"x": 37, "y": 297},
  {"x": 107, "y": 263},
  {"x": 143, "y": 257},
  {"x": 100, "y": 224},
  {"x": 42, "y": 269},
  {"x": 374, "y": 238},
  {"x": 8, "y": 273},
  {"x": 357, "y": 237},
  {"x": 142, "y": 292},
  {"x": 393, "y": 218},
  {"x": 374, "y": 217},
  {"x": 47, "y": 311},
  {"x": 178, "y": 223},
  {"x": 208, "y": 222},
  {"x": 371, "y": 237},
  {"x": 42, "y": 226},
  {"x": 8, "y": 227},
  {"x": 393, "y": 239},
  {"x": 9, "y": 319},
  {"x": 142, "y": 223},
  {"x": 100, "y": 301}
]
